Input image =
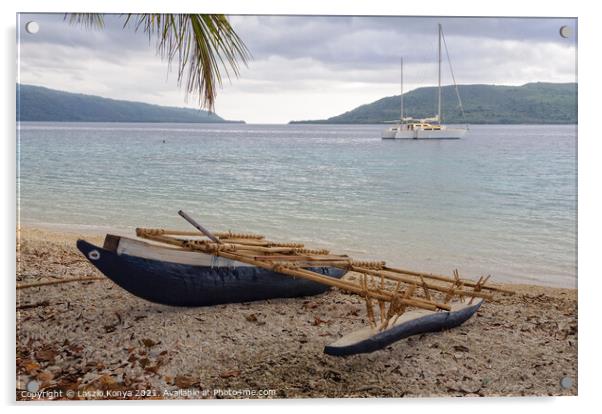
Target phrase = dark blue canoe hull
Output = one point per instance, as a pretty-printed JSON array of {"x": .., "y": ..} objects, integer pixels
[
  {"x": 434, "y": 322},
  {"x": 178, "y": 284}
]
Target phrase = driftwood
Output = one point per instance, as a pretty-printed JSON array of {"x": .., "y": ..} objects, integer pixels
[
  {"x": 33, "y": 305},
  {"x": 58, "y": 282}
]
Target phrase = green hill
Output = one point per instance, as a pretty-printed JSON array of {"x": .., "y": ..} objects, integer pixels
[
  {"x": 35, "y": 103},
  {"x": 532, "y": 103}
]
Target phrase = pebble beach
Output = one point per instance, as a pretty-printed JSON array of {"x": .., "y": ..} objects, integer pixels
[{"x": 93, "y": 340}]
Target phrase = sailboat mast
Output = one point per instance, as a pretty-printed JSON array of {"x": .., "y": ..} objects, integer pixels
[
  {"x": 439, "y": 92},
  {"x": 401, "y": 95}
]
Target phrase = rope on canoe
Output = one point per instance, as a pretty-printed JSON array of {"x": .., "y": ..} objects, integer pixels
[
  {"x": 368, "y": 264},
  {"x": 311, "y": 251}
]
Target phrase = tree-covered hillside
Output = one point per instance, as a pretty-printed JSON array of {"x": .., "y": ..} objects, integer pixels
[
  {"x": 35, "y": 103},
  {"x": 532, "y": 103}
]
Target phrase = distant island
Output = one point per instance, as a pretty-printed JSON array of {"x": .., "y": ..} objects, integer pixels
[
  {"x": 35, "y": 103},
  {"x": 532, "y": 103}
]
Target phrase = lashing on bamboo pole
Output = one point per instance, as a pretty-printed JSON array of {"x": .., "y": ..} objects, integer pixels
[
  {"x": 394, "y": 308},
  {"x": 479, "y": 286},
  {"x": 220, "y": 235},
  {"x": 312, "y": 251},
  {"x": 366, "y": 295},
  {"x": 427, "y": 293},
  {"x": 367, "y": 264}
]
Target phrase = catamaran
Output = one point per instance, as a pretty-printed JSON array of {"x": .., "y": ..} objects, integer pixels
[{"x": 429, "y": 128}]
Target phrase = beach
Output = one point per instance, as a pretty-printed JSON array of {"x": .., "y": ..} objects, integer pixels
[{"x": 93, "y": 340}]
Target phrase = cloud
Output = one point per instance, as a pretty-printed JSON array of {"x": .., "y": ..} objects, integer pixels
[
  {"x": 377, "y": 40},
  {"x": 303, "y": 66},
  {"x": 111, "y": 40}
]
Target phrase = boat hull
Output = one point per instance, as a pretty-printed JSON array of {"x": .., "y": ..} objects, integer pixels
[
  {"x": 416, "y": 322},
  {"x": 184, "y": 284},
  {"x": 447, "y": 133}
]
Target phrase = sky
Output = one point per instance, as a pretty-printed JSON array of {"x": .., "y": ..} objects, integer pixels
[{"x": 302, "y": 67}]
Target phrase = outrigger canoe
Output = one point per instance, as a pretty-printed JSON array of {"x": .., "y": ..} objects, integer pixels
[
  {"x": 184, "y": 268},
  {"x": 185, "y": 278}
]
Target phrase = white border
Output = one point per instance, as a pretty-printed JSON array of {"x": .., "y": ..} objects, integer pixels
[{"x": 590, "y": 207}]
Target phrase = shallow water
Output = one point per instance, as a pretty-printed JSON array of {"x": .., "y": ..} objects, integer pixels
[{"x": 501, "y": 201}]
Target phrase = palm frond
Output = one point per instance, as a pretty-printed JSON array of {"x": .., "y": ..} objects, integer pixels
[
  {"x": 203, "y": 45},
  {"x": 87, "y": 20}
]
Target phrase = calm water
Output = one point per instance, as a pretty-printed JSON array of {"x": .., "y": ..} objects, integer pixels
[{"x": 501, "y": 201}]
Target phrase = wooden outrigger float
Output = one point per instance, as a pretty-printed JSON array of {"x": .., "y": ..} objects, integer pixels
[{"x": 186, "y": 268}]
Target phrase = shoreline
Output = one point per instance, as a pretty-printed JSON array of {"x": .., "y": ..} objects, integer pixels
[
  {"x": 71, "y": 232},
  {"x": 58, "y": 230},
  {"x": 98, "y": 341}
]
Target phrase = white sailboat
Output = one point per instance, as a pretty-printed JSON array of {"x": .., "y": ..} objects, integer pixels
[{"x": 429, "y": 128}]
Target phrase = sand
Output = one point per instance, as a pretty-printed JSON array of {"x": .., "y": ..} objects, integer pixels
[{"x": 93, "y": 340}]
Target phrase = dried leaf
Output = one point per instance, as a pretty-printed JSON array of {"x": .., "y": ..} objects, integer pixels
[
  {"x": 230, "y": 374},
  {"x": 45, "y": 376},
  {"x": 46, "y": 354},
  {"x": 31, "y": 366},
  {"x": 184, "y": 381},
  {"x": 148, "y": 343},
  {"x": 152, "y": 369},
  {"x": 76, "y": 349},
  {"x": 105, "y": 382},
  {"x": 317, "y": 321},
  {"x": 461, "y": 348}
]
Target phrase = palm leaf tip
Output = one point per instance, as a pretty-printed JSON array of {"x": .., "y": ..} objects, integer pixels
[
  {"x": 87, "y": 20},
  {"x": 203, "y": 45}
]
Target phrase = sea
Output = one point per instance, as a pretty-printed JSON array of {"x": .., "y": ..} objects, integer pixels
[{"x": 502, "y": 201}]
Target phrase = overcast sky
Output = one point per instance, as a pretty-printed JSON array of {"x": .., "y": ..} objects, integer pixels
[{"x": 303, "y": 67}]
